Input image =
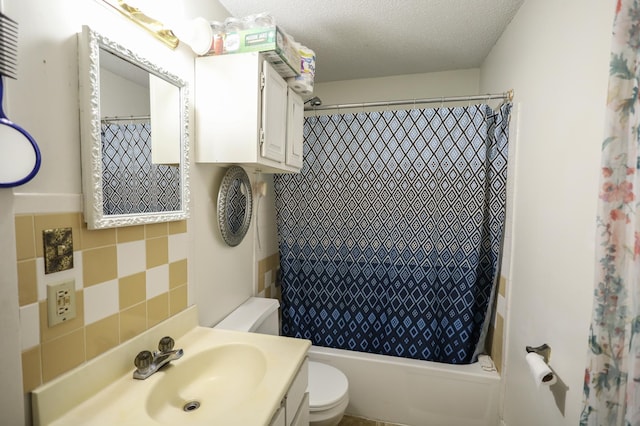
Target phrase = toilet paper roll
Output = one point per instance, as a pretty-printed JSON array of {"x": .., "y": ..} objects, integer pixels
[
  {"x": 540, "y": 370},
  {"x": 307, "y": 61},
  {"x": 302, "y": 84}
]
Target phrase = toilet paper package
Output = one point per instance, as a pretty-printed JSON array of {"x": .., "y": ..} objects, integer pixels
[{"x": 303, "y": 83}]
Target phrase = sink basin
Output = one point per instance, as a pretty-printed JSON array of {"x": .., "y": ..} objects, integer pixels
[
  {"x": 225, "y": 378},
  {"x": 207, "y": 385}
]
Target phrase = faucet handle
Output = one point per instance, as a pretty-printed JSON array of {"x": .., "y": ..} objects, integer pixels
[
  {"x": 166, "y": 344},
  {"x": 143, "y": 361}
]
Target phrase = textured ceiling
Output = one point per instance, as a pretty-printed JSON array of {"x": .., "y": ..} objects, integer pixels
[{"x": 375, "y": 38}]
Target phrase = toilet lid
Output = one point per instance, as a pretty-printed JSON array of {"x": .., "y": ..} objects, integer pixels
[{"x": 327, "y": 387}]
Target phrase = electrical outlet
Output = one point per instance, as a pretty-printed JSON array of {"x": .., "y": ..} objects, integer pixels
[{"x": 61, "y": 302}]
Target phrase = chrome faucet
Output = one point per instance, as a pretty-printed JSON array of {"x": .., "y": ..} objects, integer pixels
[{"x": 148, "y": 363}]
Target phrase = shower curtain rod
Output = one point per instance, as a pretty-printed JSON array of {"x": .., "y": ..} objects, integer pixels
[
  {"x": 506, "y": 96},
  {"x": 125, "y": 118}
]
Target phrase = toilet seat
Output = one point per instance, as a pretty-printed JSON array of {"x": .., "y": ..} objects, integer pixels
[{"x": 328, "y": 387}]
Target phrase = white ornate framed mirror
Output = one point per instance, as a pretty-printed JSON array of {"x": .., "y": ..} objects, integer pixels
[{"x": 134, "y": 137}]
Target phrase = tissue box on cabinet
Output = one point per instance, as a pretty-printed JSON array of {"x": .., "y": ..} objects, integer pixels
[{"x": 275, "y": 45}]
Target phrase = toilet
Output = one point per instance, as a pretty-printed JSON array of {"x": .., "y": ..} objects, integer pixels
[{"x": 328, "y": 387}]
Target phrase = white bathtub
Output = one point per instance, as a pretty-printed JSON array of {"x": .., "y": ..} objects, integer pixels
[{"x": 415, "y": 393}]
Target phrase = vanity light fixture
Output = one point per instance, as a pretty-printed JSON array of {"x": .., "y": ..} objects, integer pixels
[{"x": 156, "y": 28}]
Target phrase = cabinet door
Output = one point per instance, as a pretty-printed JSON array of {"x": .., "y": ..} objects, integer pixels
[
  {"x": 278, "y": 418},
  {"x": 297, "y": 392},
  {"x": 274, "y": 114},
  {"x": 295, "y": 129}
]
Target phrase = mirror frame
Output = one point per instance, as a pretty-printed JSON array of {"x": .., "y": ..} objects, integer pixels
[
  {"x": 89, "y": 44},
  {"x": 228, "y": 235}
]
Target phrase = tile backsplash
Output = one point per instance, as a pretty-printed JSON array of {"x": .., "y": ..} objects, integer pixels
[
  {"x": 268, "y": 277},
  {"x": 126, "y": 280}
]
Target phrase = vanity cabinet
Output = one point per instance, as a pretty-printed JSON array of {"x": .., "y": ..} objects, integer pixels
[
  {"x": 294, "y": 410},
  {"x": 246, "y": 114}
]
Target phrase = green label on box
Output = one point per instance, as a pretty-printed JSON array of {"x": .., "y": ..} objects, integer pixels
[{"x": 260, "y": 38}]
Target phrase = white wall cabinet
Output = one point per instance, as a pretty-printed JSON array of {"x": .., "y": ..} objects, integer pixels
[{"x": 246, "y": 114}]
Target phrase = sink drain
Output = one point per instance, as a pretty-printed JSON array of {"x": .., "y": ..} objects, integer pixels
[{"x": 191, "y": 406}]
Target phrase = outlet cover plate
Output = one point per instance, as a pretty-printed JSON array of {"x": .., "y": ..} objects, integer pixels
[{"x": 61, "y": 302}]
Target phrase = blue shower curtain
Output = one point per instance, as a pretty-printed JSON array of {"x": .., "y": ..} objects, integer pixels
[
  {"x": 390, "y": 237},
  {"x": 131, "y": 183}
]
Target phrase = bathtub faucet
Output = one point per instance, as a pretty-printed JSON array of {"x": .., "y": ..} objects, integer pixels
[{"x": 148, "y": 363}]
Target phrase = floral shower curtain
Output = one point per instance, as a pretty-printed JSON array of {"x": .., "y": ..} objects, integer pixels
[
  {"x": 612, "y": 376},
  {"x": 390, "y": 236}
]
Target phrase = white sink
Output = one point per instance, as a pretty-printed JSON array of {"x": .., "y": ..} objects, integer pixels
[
  {"x": 212, "y": 383},
  {"x": 236, "y": 378}
]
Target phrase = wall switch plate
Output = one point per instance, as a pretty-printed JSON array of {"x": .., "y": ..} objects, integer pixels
[
  {"x": 58, "y": 249},
  {"x": 61, "y": 302}
]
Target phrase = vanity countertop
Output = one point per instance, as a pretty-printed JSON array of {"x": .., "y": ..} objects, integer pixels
[{"x": 122, "y": 400}]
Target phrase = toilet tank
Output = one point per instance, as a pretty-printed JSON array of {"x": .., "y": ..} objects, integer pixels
[{"x": 256, "y": 315}]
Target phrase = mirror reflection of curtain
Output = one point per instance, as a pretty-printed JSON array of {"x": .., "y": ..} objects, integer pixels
[
  {"x": 236, "y": 205},
  {"x": 391, "y": 234},
  {"x": 131, "y": 182}
]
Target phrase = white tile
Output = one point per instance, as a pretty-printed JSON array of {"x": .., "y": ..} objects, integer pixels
[
  {"x": 177, "y": 247},
  {"x": 30, "y": 326},
  {"x": 501, "y": 306},
  {"x": 43, "y": 279},
  {"x": 157, "y": 281},
  {"x": 100, "y": 301},
  {"x": 132, "y": 258}
]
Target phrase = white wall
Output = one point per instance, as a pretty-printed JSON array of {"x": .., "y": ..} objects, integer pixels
[
  {"x": 44, "y": 100},
  {"x": 555, "y": 56},
  {"x": 223, "y": 276},
  {"x": 122, "y": 97},
  {"x": 410, "y": 86}
]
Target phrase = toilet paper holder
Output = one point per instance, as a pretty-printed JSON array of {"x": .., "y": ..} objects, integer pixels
[{"x": 543, "y": 350}]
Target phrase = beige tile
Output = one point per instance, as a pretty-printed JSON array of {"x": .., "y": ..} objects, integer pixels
[
  {"x": 27, "y": 282},
  {"x": 62, "y": 354},
  {"x": 31, "y": 369},
  {"x": 99, "y": 265},
  {"x": 50, "y": 333},
  {"x": 133, "y": 321},
  {"x": 177, "y": 299},
  {"x": 275, "y": 261},
  {"x": 132, "y": 290},
  {"x": 496, "y": 344},
  {"x": 102, "y": 335},
  {"x": 60, "y": 220},
  {"x": 97, "y": 237},
  {"x": 157, "y": 251},
  {"x": 126, "y": 234},
  {"x": 25, "y": 237},
  {"x": 157, "y": 309},
  {"x": 156, "y": 230},
  {"x": 267, "y": 292},
  {"x": 502, "y": 286},
  {"x": 178, "y": 274},
  {"x": 179, "y": 227}
]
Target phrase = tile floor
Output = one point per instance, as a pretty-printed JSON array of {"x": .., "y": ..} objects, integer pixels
[{"x": 359, "y": 421}]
